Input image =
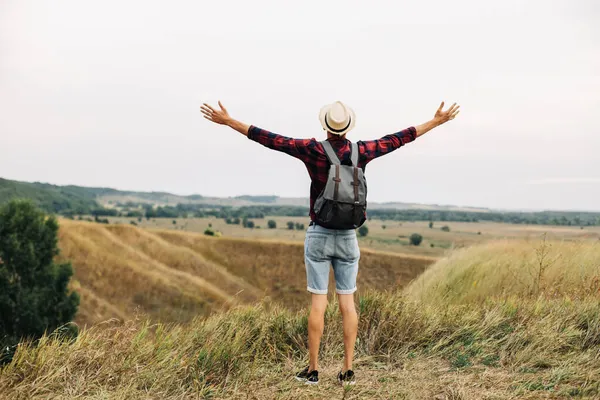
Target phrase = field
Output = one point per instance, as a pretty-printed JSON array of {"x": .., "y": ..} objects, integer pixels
[
  {"x": 392, "y": 238},
  {"x": 510, "y": 319},
  {"x": 174, "y": 276}
]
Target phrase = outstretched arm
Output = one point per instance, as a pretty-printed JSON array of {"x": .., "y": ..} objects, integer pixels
[
  {"x": 370, "y": 150},
  {"x": 439, "y": 118},
  {"x": 299, "y": 148},
  {"x": 222, "y": 117}
]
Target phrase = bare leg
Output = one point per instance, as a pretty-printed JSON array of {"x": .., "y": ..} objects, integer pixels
[
  {"x": 316, "y": 323},
  {"x": 350, "y": 321}
]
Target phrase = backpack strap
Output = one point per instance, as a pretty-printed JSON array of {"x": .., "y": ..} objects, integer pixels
[
  {"x": 354, "y": 154},
  {"x": 330, "y": 153}
]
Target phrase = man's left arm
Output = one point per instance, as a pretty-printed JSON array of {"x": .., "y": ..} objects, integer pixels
[{"x": 298, "y": 148}]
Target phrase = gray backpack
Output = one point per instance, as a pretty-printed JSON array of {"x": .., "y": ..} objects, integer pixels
[{"x": 343, "y": 202}]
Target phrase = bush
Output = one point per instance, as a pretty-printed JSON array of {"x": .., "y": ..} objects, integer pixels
[
  {"x": 174, "y": 222},
  {"x": 272, "y": 224},
  {"x": 236, "y": 221},
  {"x": 430, "y": 224},
  {"x": 290, "y": 225},
  {"x": 228, "y": 221},
  {"x": 34, "y": 294},
  {"x": 415, "y": 239},
  {"x": 101, "y": 220},
  {"x": 249, "y": 224},
  {"x": 133, "y": 223},
  {"x": 383, "y": 226},
  {"x": 209, "y": 232},
  {"x": 299, "y": 227},
  {"x": 446, "y": 228},
  {"x": 363, "y": 231}
]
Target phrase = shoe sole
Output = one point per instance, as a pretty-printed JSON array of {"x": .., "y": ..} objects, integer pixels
[
  {"x": 310, "y": 383},
  {"x": 300, "y": 379}
]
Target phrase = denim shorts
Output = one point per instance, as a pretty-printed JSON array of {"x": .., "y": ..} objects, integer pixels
[{"x": 324, "y": 247}]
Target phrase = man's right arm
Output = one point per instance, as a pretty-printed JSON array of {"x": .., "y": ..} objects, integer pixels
[{"x": 369, "y": 150}]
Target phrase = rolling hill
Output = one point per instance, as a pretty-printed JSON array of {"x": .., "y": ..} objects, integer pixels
[
  {"x": 81, "y": 200},
  {"x": 172, "y": 276},
  {"x": 461, "y": 331}
]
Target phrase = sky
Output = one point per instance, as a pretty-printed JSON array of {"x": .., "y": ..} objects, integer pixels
[{"x": 108, "y": 94}]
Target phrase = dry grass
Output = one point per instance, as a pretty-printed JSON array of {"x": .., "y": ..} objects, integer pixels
[
  {"x": 525, "y": 349},
  {"x": 445, "y": 338},
  {"x": 509, "y": 268},
  {"x": 174, "y": 276},
  {"x": 392, "y": 238}
]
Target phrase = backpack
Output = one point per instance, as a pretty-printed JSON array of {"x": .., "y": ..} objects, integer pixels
[{"x": 343, "y": 202}]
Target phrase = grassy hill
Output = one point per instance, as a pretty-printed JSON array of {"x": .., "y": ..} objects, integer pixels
[
  {"x": 174, "y": 276},
  {"x": 508, "y": 344}
]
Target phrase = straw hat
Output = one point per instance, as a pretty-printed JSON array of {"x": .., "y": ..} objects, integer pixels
[{"x": 337, "y": 118}]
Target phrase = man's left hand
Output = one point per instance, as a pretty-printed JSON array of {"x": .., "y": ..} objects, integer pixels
[{"x": 217, "y": 116}]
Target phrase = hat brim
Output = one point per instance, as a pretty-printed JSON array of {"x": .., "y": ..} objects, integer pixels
[{"x": 323, "y": 112}]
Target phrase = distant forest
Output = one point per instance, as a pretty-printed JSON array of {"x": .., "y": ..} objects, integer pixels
[{"x": 70, "y": 201}]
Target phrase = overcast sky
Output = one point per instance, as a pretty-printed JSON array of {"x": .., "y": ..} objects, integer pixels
[{"x": 107, "y": 94}]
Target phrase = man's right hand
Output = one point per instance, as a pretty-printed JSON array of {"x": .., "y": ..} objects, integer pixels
[{"x": 442, "y": 116}]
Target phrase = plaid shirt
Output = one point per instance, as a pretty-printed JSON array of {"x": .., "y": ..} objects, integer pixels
[{"x": 312, "y": 154}]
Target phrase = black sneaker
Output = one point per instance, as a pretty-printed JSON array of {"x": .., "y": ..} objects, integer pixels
[
  {"x": 346, "y": 378},
  {"x": 309, "y": 378}
]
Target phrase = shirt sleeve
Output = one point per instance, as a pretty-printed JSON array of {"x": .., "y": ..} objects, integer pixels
[
  {"x": 298, "y": 148},
  {"x": 371, "y": 149}
]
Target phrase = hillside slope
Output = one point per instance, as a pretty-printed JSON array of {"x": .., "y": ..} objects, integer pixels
[{"x": 175, "y": 276}]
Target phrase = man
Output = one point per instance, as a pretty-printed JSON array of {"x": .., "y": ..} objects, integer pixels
[{"x": 324, "y": 247}]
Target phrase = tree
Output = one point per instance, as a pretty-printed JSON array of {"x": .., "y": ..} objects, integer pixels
[
  {"x": 446, "y": 228},
  {"x": 249, "y": 224},
  {"x": 415, "y": 239},
  {"x": 290, "y": 225},
  {"x": 236, "y": 221},
  {"x": 272, "y": 224},
  {"x": 363, "y": 231},
  {"x": 34, "y": 295},
  {"x": 430, "y": 224}
]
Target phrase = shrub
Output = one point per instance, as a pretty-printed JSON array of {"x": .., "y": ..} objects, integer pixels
[
  {"x": 236, "y": 221},
  {"x": 363, "y": 231},
  {"x": 446, "y": 228},
  {"x": 249, "y": 224},
  {"x": 415, "y": 239},
  {"x": 133, "y": 223},
  {"x": 430, "y": 224},
  {"x": 101, "y": 220},
  {"x": 174, "y": 222},
  {"x": 209, "y": 232},
  {"x": 290, "y": 225},
  {"x": 383, "y": 227},
  {"x": 34, "y": 294},
  {"x": 272, "y": 224},
  {"x": 299, "y": 227}
]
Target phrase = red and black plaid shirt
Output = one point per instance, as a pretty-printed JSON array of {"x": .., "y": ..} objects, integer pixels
[{"x": 312, "y": 154}]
